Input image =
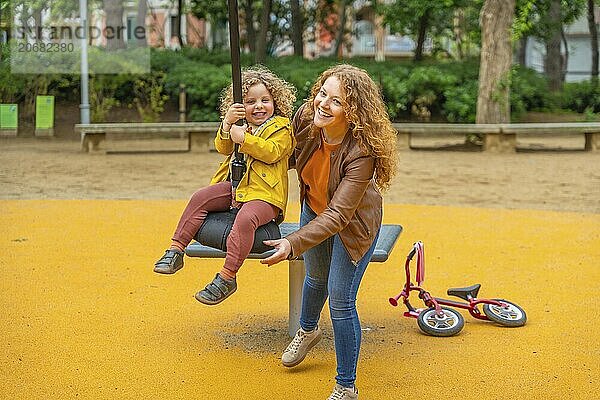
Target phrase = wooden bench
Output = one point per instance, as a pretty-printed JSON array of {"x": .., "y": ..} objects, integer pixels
[
  {"x": 590, "y": 130},
  {"x": 197, "y": 136},
  {"x": 146, "y": 137},
  {"x": 385, "y": 243},
  {"x": 501, "y": 138}
]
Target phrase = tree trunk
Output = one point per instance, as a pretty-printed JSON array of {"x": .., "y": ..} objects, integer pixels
[
  {"x": 37, "y": 21},
  {"x": 114, "y": 29},
  {"x": 249, "y": 20},
  {"x": 339, "y": 37},
  {"x": 379, "y": 39},
  {"x": 179, "y": 14},
  {"x": 565, "y": 58},
  {"x": 493, "y": 105},
  {"x": 554, "y": 63},
  {"x": 458, "y": 22},
  {"x": 594, "y": 40},
  {"x": 297, "y": 28},
  {"x": 261, "y": 45},
  {"x": 423, "y": 25},
  {"x": 141, "y": 22}
]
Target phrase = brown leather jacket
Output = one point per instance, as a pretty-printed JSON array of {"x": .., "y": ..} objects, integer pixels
[{"x": 354, "y": 207}]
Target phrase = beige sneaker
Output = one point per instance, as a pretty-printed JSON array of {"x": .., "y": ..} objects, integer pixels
[
  {"x": 300, "y": 345},
  {"x": 343, "y": 393}
]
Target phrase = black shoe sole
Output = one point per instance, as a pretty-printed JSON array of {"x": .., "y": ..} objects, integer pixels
[{"x": 166, "y": 271}]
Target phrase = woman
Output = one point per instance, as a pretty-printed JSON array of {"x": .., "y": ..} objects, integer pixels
[{"x": 345, "y": 154}]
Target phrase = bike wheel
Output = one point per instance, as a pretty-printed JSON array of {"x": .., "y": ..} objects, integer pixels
[
  {"x": 432, "y": 324},
  {"x": 509, "y": 315}
]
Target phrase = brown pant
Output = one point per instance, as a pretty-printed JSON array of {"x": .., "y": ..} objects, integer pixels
[{"x": 251, "y": 215}]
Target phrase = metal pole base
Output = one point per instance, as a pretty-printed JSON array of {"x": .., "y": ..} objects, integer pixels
[{"x": 296, "y": 281}]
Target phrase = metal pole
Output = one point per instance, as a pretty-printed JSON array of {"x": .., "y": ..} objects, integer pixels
[
  {"x": 234, "y": 46},
  {"x": 182, "y": 102},
  {"x": 85, "y": 102},
  {"x": 238, "y": 166}
]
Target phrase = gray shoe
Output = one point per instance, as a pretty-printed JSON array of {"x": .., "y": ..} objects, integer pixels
[
  {"x": 216, "y": 291},
  {"x": 343, "y": 393},
  {"x": 170, "y": 263},
  {"x": 300, "y": 345}
]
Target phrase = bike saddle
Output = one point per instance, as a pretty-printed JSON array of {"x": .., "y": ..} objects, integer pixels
[{"x": 465, "y": 291}]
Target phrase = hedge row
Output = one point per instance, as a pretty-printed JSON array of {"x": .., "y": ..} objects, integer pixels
[{"x": 439, "y": 90}]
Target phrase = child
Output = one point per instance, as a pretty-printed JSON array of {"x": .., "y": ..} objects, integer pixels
[{"x": 266, "y": 143}]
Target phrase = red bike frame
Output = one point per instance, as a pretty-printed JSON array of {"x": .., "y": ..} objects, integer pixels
[{"x": 424, "y": 295}]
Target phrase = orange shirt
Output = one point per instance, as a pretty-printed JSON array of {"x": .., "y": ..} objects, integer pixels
[{"x": 316, "y": 176}]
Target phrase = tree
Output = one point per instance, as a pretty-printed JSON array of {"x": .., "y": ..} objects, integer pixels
[
  {"x": 298, "y": 27},
  {"x": 544, "y": 19},
  {"x": 341, "y": 29},
  {"x": 214, "y": 11},
  {"x": 419, "y": 19},
  {"x": 594, "y": 40},
  {"x": 261, "y": 45},
  {"x": 178, "y": 22},
  {"x": 553, "y": 65},
  {"x": 493, "y": 105},
  {"x": 249, "y": 21},
  {"x": 114, "y": 24},
  {"x": 466, "y": 34},
  {"x": 142, "y": 10}
]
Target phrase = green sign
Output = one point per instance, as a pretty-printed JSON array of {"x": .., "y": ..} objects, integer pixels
[
  {"x": 44, "y": 112},
  {"x": 9, "y": 116}
]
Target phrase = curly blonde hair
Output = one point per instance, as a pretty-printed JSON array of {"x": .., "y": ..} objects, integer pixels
[
  {"x": 284, "y": 93},
  {"x": 367, "y": 117}
]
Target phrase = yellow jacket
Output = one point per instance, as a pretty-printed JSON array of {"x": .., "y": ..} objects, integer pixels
[{"x": 267, "y": 152}]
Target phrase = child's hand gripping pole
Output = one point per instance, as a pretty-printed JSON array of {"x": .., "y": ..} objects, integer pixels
[{"x": 238, "y": 169}]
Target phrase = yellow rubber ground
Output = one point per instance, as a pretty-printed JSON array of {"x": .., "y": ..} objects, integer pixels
[{"x": 83, "y": 315}]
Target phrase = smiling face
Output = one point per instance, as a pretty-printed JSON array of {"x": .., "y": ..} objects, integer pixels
[
  {"x": 329, "y": 109},
  {"x": 259, "y": 104}
]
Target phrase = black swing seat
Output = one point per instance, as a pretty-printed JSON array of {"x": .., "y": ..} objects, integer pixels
[
  {"x": 465, "y": 292},
  {"x": 217, "y": 226}
]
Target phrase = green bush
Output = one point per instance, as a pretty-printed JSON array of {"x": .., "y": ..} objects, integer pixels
[
  {"x": 582, "y": 97},
  {"x": 430, "y": 89},
  {"x": 11, "y": 86},
  {"x": 461, "y": 102},
  {"x": 395, "y": 93},
  {"x": 298, "y": 72},
  {"x": 529, "y": 91},
  {"x": 215, "y": 57},
  {"x": 149, "y": 96},
  {"x": 426, "y": 87},
  {"x": 204, "y": 85},
  {"x": 164, "y": 60}
]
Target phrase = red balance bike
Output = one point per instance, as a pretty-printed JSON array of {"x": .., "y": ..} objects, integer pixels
[{"x": 437, "y": 320}]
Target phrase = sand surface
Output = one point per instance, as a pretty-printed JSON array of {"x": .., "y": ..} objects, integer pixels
[{"x": 56, "y": 169}]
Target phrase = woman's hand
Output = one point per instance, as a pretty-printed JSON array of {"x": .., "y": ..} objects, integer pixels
[
  {"x": 283, "y": 249},
  {"x": 235, "y": 112}
]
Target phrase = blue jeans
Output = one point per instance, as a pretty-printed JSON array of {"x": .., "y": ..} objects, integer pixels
[{"x": 331, "y": 272}]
